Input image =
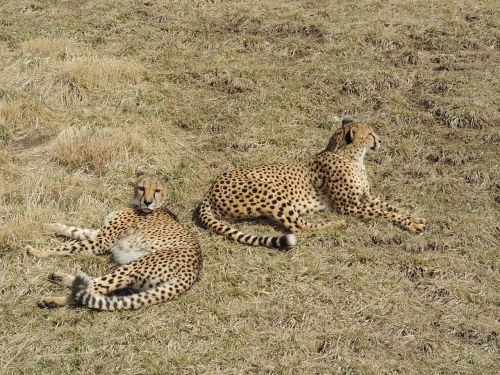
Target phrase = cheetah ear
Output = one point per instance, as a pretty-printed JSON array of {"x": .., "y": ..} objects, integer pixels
[
  {"x": 166, "y": 178},
  {"x": 349, "y": 137},
  {"x": 139, "y": 173},
  {"x": 346, "y": 121}
]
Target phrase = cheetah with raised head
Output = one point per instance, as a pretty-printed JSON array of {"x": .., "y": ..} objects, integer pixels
[
  {"x": 158, "y": 257},
  {"x": 335, "y": 178}
]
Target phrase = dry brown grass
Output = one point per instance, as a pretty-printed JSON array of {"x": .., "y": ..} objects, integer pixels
[
  {"x": 196, "y": 88},
  {"x": 72, "y": 81},
  {"x": 49, "y": 47},
  {"x": 95, "y": 150},
  {"x": 21, "y": 120}
]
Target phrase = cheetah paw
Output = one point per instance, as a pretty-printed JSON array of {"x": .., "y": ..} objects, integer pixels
[
  {"x": 56, "y": 228},
  {"x": 56, "y": 277},
  {"x": 47, "y": 303},
  {"x": 416, "y": 228},
  {"x": 61, "y": 278},
  {"x": 339, "y": 224},
  {"x": 36, "y": 252},
  {"x": 418, "y": 220}
]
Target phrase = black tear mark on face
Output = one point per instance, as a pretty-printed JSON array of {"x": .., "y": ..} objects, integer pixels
[{"x": 349, "y": 137}]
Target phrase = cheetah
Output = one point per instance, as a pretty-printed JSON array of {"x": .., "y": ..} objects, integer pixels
[
  {"x": 157, "y": 256},
  {"x": 333, "y": 179}
]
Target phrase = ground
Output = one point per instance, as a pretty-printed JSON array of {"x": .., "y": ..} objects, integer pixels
[{"x": 91, "y": 91}]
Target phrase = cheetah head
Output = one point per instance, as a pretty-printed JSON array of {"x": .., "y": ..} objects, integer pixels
[
  {"x": 149, "y": 192},
  {"x": 357, "y": 133}
]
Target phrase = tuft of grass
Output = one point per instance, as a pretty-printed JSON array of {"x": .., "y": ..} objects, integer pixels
[
  {"x": 225, "y": 81},
  {"x": 49, "y": 47},
  {"x": 367, "y": 85},
  {"x": 20, "y": 120},
  {"x": 95, "y": 73},
  {"x": 381, "y": 42},
  {"x": 73, "y": 80},
  {"x": 95, "y": 149},
  {"x": 455, "y": 116}
]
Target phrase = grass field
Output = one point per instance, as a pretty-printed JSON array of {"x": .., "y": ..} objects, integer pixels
[{"x": 91, "y": 91}]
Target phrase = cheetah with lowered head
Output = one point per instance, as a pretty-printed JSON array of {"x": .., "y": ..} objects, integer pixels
[
  {"x": 335, "y": 178},
  {"x": 158, "y": 257}
]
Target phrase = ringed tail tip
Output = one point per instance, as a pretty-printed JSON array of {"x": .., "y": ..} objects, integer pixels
[{"x": 291, "y": 240}]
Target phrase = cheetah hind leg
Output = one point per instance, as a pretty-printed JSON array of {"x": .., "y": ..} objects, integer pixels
[
  {"x": 100, "y": 286},
  {"x": 67, "y": 280},
  {"x": 293, "y": 222},
  {"x": 162, "y": 292},
  {"x": 63, "y": 279},
  {"x": 162, "y": 282}
]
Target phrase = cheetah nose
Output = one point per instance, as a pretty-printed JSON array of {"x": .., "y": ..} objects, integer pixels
[{"x": 147, "y": 203}]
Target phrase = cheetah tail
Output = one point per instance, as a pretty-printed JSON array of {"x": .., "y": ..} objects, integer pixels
[
  {"x": 208, "y": 219},
  {"x": 84, "y": 296}
]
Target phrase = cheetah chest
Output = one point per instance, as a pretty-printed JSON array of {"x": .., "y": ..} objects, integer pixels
[{"x": 148, "y": 234}]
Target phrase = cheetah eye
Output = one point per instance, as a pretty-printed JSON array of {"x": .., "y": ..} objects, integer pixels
[
  {"x": 157, "y": 190},
  {"x": 140, "y": 188}
]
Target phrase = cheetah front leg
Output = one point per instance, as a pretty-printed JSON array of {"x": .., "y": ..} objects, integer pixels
[
  {"x": 384, "y": 206},
  {"x": 100, "y": 245},
  {"x": 71, "y": 232},
  {"x": 365, "y": 211},
  {"x": 76, "y": 233}
]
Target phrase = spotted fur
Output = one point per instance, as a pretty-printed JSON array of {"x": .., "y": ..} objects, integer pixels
[
  {"x": 158, "y": 257},
  {"x": 335, "y": 178}
]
